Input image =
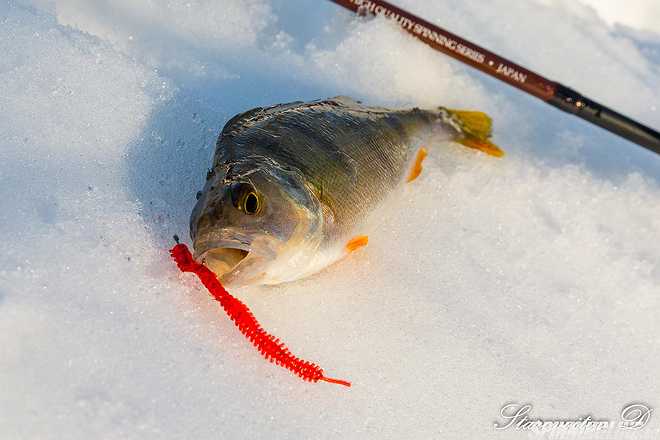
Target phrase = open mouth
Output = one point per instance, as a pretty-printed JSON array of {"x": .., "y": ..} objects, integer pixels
[{"x": 222, "y": 260}]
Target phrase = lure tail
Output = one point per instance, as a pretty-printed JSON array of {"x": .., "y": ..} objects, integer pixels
[{"x": 473, "y": 128}]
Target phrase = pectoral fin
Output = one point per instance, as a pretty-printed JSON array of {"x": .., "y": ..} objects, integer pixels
[{"x": 356, "y": 243}]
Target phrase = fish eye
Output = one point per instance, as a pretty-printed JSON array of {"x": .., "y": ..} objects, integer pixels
[
  {"x": 251, "y": 203},
  {"x": 245, "y": 198}
]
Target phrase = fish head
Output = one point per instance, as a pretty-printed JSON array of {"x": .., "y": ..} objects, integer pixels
[{"x": 249, "y": 217}]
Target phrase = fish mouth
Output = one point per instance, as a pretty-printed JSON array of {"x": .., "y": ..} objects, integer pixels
[{"x": 222, "y": 257}]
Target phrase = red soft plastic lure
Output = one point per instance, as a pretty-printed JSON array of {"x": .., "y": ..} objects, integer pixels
[{"x": 268, "y": 345}]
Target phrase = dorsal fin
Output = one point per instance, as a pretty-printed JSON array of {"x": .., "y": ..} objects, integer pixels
[
  {"x": 243, "y": 120},
  {"x": 235, "y": 124},
  {"x": 343, "y": 100}
]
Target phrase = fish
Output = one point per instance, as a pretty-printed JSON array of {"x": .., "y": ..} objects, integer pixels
[{"x": 290, "y": 185}]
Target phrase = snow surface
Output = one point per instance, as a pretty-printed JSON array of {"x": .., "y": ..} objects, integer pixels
[
  {"x": 534, "y": 278},
  {"x": 640, "y": 14}
]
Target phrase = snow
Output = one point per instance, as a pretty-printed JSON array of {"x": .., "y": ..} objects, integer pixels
[
  {"x": 533, "y": 278},
  {"x": 635, "y": 13}
]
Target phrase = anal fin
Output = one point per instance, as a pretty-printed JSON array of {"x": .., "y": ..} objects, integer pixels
[{"x": 416, "y": 169}]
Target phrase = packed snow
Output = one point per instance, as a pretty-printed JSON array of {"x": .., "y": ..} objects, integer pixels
[{"x": 533, "y": 278}]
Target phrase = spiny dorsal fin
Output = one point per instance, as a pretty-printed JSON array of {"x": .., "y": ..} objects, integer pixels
[{"x": 236, "y": 124}]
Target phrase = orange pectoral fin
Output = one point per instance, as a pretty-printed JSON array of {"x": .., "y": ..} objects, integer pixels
[
  {"x": 356, "y": 243},
  {"x": 416, "y": 169}
]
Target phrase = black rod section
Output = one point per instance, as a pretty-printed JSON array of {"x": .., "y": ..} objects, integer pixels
[{"x": 572, "y": 102}]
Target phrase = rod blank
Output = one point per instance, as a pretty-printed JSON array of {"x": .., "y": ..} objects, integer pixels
[{"x": 572, "y": 102}]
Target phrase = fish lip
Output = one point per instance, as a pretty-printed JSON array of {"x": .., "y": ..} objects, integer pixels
[
  {"x": 203, "y": 251},
  {"x": 201, "y": 248},
  {"x": 208, "y": 239}
]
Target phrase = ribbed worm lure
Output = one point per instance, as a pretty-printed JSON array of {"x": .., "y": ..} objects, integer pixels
[{"x": 268, "y": 345}]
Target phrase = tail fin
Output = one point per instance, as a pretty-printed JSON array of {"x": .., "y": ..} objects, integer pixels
[{"x": 474, "y": 129}]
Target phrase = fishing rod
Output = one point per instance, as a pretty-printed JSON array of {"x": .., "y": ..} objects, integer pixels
[{"x": 551, "y": 92}]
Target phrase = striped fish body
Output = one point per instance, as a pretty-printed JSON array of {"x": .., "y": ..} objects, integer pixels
[{"x": 345, "y": 156}]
